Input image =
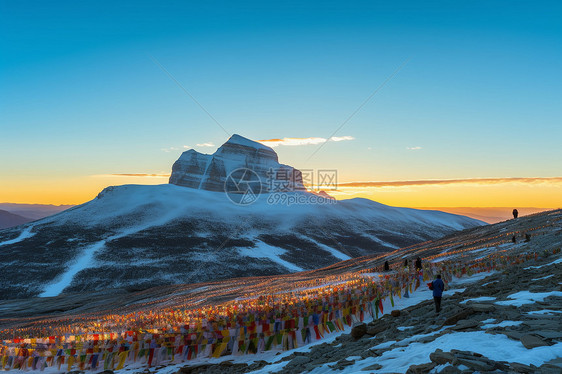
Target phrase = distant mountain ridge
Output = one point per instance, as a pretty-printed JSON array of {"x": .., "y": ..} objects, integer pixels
[
  {"x": 8, "y": 219},
  {"x": 489, "y": 214},
  {"x": 137, "y": 236},
  {"x": 33, "y": 211}
]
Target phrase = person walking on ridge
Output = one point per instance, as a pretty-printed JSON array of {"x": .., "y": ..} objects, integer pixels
[
  {"x": 515, "y": 213},
  {"x": 438, "y": 287}
]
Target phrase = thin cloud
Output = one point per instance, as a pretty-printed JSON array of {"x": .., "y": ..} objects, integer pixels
[
  {"x": 208, "y": 144},
  {"x": 413, "y": 148},
  {"x": 302, "y": 141},
  {"x": 452, "y": 181},
  {"x": 341, "y": 138}
]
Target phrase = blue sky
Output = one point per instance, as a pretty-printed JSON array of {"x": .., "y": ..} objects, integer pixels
[{"x": 480, "y": 95}]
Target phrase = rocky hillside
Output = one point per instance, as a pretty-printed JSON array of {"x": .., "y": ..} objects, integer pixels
[
  {"x": 499, "y": 322},
  {"x": 509, "y": 322},
  {"x": 505, "y": 321}
]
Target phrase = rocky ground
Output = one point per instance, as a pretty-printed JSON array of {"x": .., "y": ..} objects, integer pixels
[
  {"x": 535, "y": 324},
  {"x": 502, "y": 322}
]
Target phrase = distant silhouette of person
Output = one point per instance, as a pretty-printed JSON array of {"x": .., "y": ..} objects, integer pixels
[
  {"x": 514, "y": 239},
  {"x": 515, "y": 213},
  {"x": 386, "y": 266},
  {"x": 438, "y": 287},
  {"x": 418, "y": 264},
  {"x": 527, "y": 237},
  {"x": 406, "y": 263}
]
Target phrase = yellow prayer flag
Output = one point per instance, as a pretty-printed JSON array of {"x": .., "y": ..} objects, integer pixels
[
  {"x": 219, "y": 349},
  {"x": 70, "y": 362},
  {"x": 122, "y": 359}
]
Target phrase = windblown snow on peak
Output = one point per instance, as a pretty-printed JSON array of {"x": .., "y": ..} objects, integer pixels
[{"x": 209, "y": 172}]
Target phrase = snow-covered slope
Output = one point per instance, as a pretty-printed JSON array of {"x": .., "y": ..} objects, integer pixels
[{"x": 139, "y": 236}]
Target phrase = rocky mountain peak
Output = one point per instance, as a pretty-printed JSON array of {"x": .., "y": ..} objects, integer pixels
[{"x": 209, "y": 172}]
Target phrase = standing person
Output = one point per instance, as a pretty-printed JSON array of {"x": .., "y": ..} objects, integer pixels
[
  {"x": 406, "y": 263},
  {"x": 386, "y": 266},
  {"x": 438, "y": 287},
  {"x": 418, "y": 264},
  {"x": 515, "y": 213}
]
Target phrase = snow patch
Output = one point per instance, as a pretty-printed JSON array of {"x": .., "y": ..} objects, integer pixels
[
  {"x": 544, "y": 311},
  {"x": 495, "y": 347},
  {"x": 542, "y": 266},
  {"x": 404, "y": 328},
  {"x": 83, "y": 261},
  {"x": 548, "y": 276},
  {"x": 266, "y": 251},
  {"x": 526, "y": 297},
  {"x": 380, "y": 241},
  {"x": 501, "y": 324},
  {"x": 26, "y": 233},
  {"x": 334, "y": 252}
]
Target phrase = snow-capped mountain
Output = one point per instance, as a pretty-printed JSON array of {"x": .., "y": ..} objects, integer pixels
[
  {"x": 188, "y": 231},
  {"x": 210, "y": 172}
]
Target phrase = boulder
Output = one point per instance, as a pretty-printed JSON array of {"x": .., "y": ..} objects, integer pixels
[
  {"x": 374, "y": 330},
  {"x": 521, "y": 368},
  {"x": 395, "y": 313},
  {"x": 532, "y": 341},
  {"x": 542, "y": 324},
  {"x": 421, "y": 369},
  {"x": 466, "y": 353},
  {"x": 477, "y": 363},
  {"x": 427, "y": 339},
  {"x": 440, "y": 357},
  {"x": 549, "y": 334},
  {"x": 375, "y": 327},
  {"x": 515, "y": 335},
  {"x": 465, "y": 324},
  {"x": 372, "y": 367},
  {"x": 358, "y": 331},
  {"x": 450, "y": 370},
  {"x": 457, "y": 317}
]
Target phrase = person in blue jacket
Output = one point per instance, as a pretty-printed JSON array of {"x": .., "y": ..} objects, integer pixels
[{"x": 438, "y": 287}]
